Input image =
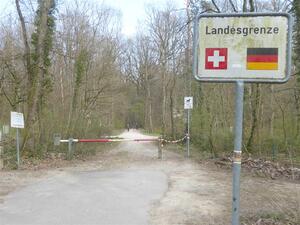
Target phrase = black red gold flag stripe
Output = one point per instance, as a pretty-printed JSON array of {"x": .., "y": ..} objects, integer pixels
[{"x": 262, "y": 58}]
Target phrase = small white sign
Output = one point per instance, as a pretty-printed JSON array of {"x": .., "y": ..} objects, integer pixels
[
  {"x": 16, "y": 120},
  {"x": 188, "y": 102}
]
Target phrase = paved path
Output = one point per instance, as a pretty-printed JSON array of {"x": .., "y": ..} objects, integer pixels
[{"x": 91, "y": 197}]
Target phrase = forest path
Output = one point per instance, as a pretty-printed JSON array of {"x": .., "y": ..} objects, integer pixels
[{"x": 128, "y": 185}]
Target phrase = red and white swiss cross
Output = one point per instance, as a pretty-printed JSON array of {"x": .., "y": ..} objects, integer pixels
[{"x": 216, "y": 58}]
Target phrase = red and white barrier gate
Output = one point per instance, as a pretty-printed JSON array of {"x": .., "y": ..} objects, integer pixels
[
  {"x": 70, "y": 142},
  {"x": 110, "y": 140}
]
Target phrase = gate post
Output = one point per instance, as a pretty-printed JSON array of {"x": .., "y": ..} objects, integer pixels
[{"x": 70, "y": 143}]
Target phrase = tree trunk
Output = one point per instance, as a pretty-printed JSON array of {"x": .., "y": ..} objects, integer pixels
[
  {"x": 244, "y": 5},
  {"x": 172, "y": 108},
  {"x": 80, "y": 68},
  {"x": 148, "y": 108},
  {"x": 297, "y": 105},
  {"x": 296, "y": 10},
  {"x": 41, "y": 55},
  {"x": 36, "y": 65},
  {"x": 255, "y": 90},
  {"x": 163, "y": 102}
]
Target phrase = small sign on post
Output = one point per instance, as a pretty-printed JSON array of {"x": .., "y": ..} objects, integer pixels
[
  {"x": 188, "y": 102},
  {"x": 188, "y": 105},
  {"x": 17, "y": 121}
]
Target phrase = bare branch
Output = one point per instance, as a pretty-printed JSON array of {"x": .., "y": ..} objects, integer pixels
[
  {"x": 24, "y": 34},
  {"x": 233, "y": 6},
  {"x": 215, "y": 5}
]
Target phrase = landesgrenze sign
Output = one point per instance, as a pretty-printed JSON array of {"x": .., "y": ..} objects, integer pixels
[
  {"x": 245, "y": 31},
  {"x": 251, "y": 47}
]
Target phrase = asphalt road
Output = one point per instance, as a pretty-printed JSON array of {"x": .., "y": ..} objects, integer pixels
[{"x": 121, "y": 196}]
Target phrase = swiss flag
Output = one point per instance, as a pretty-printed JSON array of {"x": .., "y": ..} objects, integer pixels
[{"x": 216, "y": 58}]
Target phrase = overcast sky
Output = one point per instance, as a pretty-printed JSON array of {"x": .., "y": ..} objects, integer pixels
[{"x": 132, "y": 10}]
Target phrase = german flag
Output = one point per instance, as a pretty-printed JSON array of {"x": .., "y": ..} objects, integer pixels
[{"x": 262, "y": 58}]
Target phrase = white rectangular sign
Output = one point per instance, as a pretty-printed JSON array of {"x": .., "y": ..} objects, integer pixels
[
  {"x": 249, "y": 47},
  {"x": 16, "y": 120},
  {"x": 188, "y": 102}
]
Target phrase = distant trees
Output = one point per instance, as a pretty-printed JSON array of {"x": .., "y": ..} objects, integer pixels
[
  {"x": 87, "y": 45},
  {"x": 140, "y": 68},
  {"x": 165, "y": 31},
  {"x": 155, "y": 60}
]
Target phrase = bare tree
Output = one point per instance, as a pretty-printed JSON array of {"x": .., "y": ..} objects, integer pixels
[{"x": 164, "y": 28}]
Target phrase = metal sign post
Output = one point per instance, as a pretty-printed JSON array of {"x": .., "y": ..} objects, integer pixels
[
  {"x": 188, "y": 133},
  {"x": 18, "y": 148},
  {"x": 237, "y": 160},
  {"x": 188, "y": 105},
  {"x": 247, "y": 47},
  {"x": 17, "y": 121}
]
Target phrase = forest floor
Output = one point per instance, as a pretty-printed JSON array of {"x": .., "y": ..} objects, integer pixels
[{"x": 174, "y": 190}]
